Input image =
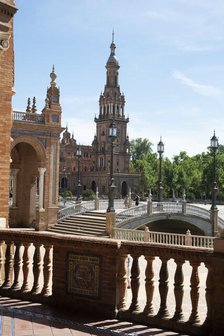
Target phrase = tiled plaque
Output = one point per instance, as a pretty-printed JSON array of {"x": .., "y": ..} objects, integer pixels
[{"x": 84, "y": 274}]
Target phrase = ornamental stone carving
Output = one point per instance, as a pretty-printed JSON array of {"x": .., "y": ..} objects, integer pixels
[{"x": 7, "y": 10}]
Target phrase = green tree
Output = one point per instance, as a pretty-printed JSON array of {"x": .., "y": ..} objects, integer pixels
[{"x": 139, "y": 147}]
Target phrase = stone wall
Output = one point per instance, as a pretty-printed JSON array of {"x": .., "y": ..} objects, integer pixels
[{"x": 7, "y": 11}]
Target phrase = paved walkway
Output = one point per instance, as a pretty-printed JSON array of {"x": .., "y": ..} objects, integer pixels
[{"x": 23, "y": 318}]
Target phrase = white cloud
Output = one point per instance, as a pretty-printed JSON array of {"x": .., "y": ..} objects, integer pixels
[{"x": 202, "y": 89}]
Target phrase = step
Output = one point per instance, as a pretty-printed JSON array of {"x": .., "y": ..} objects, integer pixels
[
  {"x": 95, "y": 214},
  {"x": 84, "y": 219},
  {"x": 83, "y": 227},
  {"x": 78, "y": 232},
  {"x": 78, "y": 228},
  {"x": 87, "y": 224}
]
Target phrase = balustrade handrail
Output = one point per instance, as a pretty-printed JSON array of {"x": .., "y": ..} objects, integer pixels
[
  {"x": 165, "y": 207},
  {"x": 76, "y": 208},
  {"x": 164, "y": 238},
  {"x": 29, "y": 117},
  {"x": 51, "y": 248},
  {"x": 131, "y": 212}
]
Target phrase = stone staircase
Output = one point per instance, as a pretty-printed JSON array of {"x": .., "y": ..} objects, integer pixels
[{"x": 87, "y": 224}]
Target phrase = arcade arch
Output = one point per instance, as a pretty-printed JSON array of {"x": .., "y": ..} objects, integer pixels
[{"x": 28, "y": 166}]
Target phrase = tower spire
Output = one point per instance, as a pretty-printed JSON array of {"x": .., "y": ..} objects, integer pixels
[{"x": 113, "y": 36}]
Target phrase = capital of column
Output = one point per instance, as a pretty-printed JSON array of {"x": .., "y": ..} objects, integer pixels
[{"x": 41, "y": 171}]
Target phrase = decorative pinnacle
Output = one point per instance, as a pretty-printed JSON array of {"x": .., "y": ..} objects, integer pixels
[
  {"x": 113, "y": 36},
  {"x": 53, "y": 76},
  {"x": 34, "y": 108},
  {"x": 28, "y": 109}
]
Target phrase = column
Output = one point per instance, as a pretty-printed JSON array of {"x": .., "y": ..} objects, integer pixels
[
  {"x": 41, "y": 188},
  {"x": 14, "y": 173},
  {"x": 135, "y": 283},
  {"x": 47, "y": 270},
  {"x": 37, "y": 268},
  {"x": 122, "y": 281},
  {"x": 149, "y": 285},
  {"x": 194, "y": 293},
  {"x": 178, "y": 290},
  {"x": 163, "y": 288}
]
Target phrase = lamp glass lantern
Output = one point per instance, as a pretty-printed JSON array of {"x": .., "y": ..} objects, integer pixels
[
  {"x": 79, "y": 152},
  {"x": 214, "y": 142},
  {"x": 113, "y": 130},
  {"x": 160, "y": 147}
]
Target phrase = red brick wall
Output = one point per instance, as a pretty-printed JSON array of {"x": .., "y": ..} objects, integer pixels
[
  {"x": 6, "y": 93},
  {"x": 105, "y": 304}
]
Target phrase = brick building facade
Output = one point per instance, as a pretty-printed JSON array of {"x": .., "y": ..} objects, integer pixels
[{"x": 7, "y": 11}]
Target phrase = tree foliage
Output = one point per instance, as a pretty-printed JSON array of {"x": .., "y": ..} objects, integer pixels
[{"x": 192, "y": 175}]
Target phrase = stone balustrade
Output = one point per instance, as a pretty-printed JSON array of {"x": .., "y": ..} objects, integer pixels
[
  {"x": 28, "y": 117},
  {"x": 128, "y": 280},
  {"x": 165, "y": 238}
]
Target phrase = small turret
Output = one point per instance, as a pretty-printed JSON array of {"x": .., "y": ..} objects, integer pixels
[{"x": 52, "y": 109}]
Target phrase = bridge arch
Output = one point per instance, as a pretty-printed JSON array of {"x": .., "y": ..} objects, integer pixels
[{"x": 196, "y": 224}]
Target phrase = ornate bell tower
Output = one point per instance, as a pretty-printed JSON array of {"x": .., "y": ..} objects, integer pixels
[{"x": 111, "y": 107}]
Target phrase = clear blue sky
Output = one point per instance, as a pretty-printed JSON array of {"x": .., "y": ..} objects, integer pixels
[{"x": 171, "y": 65}]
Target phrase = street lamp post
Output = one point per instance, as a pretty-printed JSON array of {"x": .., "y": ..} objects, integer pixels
[
  {"x": 78, "y": 154},
  {"x": 214, "y": 144},
  {"x": 160, "y": 150},
  {"x": 112, "y": 136}
]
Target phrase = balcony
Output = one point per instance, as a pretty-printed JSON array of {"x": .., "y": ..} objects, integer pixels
[{"x": 28, "y": 117}]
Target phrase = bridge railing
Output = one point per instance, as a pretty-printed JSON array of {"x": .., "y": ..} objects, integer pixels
[
  {"x": 126, "y": 214},
  {"x": 164, "y": 238},
  {"x": 29, "y": 117},
  {"x": 75, "y": 209},
  {"x": 165, "y": 207},
  {"x": 197, "y": 211}
]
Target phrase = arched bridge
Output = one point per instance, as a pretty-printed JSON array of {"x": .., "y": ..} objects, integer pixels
[{"x": 139, "y": 216}]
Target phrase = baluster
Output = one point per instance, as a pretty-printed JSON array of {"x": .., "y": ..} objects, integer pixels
[
  {"x": 2, "y": 259},
  {"x": 149, "y": 285},
  {"x": 47, "y": 270},
  {"x": 18, "y": 262},
  {"x": 26, "y": 263},
  {"x": 194, "y": 317},
  {"x": 122, "y": 281},
  {"x": 37, "y": 263},
  {"x": 163, "y": 289},
  {"x": 209, "y": 295},
  {"x": 135, "y": 283},
  {"x": 178, "y": 290},
  {"x": 9, "y": 259}
]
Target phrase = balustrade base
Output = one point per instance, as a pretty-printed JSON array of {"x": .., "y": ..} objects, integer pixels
[
  {"x": 163, "y": 323},
  {"x": 26, "y": 296}
]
